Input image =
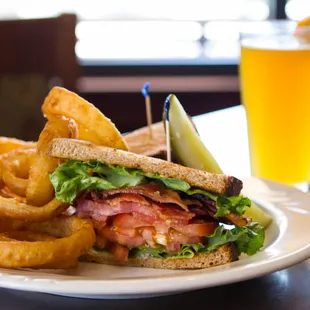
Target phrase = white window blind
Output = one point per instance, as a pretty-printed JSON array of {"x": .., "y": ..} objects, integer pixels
[
  {"x": 297, "y": 9},
  {"x": 156, "y": 29},
  {"x": 140, "y": 9}
]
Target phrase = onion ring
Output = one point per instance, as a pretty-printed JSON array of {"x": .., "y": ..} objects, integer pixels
[
  {"x": 11, "y": 208},
  {"x": 7, "y": 193},
  {"x": 7, "y": 224},
  {"x": 20, "y": 235},
  {"x": 73, "y": 129},
  {"x": 15, "y": 170},
  {"x": 9, "y": 144},
  {"x": 76, "y": 237},
  {"x": 93, "y": 125},
  {"x": 40, "y": 190},
  {"x": 32, "y": 236},
  {"x": 1, "y": 178}
]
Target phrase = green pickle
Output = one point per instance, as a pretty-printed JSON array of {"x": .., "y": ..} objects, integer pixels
[
  {"x": 186, "y": 145},
  {"x": 188, "y": 150}
]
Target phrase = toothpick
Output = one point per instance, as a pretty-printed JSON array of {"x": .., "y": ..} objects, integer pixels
[
  {"x": 167, "y": 125},
  {"x": 145, "y": 93}
]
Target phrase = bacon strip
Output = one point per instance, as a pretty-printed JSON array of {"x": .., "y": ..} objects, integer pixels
[
  {"x": 131, "y": 220},
  {"x": 210, "y": 208},
  {"x": 238, "y": 219},
  {"x": 131, "y": 203},
  {"x": 155, "y": 191},
  {"x": 149, "y": 215}
]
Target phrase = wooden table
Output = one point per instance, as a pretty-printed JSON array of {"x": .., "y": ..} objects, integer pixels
[{"x": 223, "y": 131}]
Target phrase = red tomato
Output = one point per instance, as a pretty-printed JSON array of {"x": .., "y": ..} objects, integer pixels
[
  {"x": 116, "y": 237},
  {"x": 173, "y": 247},
  {"x": 162, "y": 227},
  {"x": 129, "y": 232},
  {"x": 200, "y": 230},
  {"x": 119, "y": 252},
  {"x": 98, "y": 225},
  {"x": 148, "y": 233},
  {"x": 237, "y": 219},
  {"x": 126, "y": 220},
  {"x": 101, "y": 242},
  {"x": 177, "y": 237}
]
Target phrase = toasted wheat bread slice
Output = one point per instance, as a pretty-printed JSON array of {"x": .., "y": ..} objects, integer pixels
[
  {"x": 84, "y": 150},
  {"x": 220, "y": 256}
]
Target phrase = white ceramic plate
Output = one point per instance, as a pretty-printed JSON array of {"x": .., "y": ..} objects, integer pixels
[{"x": 288, "y": 243}]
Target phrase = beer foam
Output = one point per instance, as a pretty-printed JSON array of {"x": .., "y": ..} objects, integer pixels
[{"x": 280, "y": 42}]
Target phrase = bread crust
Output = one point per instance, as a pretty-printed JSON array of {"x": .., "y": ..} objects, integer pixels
[
  {"x": 222, "y": 255},
  {"x": 84, "y": 150}
]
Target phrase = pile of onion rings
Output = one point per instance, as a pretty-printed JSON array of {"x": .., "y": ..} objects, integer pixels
[
  {"x": 61, "y": 240},
  {"x": 36, "y": 230}
]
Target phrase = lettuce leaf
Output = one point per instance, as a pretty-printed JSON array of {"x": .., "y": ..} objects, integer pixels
[
  {"x": 248, "y": 239},
  {"x": 224, "y": 204},
  {"x": 143, "y": 252},
  {"x": 74, "y": 176}
]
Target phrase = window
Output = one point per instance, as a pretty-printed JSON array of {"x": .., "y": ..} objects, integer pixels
[
  {"x": 157, "y": 30},
  {"x": 297, "y": 9},
  {"x": 202, "y": 10}
]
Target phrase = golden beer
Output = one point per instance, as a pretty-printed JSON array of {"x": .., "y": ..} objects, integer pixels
[{"x": 275, "y": 86}]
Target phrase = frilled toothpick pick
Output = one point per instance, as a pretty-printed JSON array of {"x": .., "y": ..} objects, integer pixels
[
  {"x": 167, "y": 125},
  {"x": 145, "y": 93}
]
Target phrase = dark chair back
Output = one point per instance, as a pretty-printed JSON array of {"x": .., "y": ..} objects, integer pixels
[{"x": 35, "y": 55}]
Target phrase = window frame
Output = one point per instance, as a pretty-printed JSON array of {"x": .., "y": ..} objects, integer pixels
[{"x": 210, "y": 68}]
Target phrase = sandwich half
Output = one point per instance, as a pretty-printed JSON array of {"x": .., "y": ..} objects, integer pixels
[{"x": 152, "y": 213}]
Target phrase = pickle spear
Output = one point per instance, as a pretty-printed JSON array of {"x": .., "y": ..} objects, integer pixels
[
  {"x": 190, "y": 151},
  {"x": 186, "y": 145},
  {"x": 258, "y": 215}
]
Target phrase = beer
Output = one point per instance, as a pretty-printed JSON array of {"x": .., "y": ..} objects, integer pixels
[{"x": 275, "y": 82}]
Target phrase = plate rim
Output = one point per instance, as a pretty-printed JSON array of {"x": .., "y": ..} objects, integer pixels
[{"x": 191, "y": 280}]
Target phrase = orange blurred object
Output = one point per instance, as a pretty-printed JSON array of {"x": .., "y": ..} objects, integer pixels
[
  {"x": 304, "y": 22},
  {"x": 9, "y": 144},
  {"x": 302, "y": 31}
]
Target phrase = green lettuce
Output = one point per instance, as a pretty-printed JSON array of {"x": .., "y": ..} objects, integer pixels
[
  {"x": 247, "y": 239},
  {"x": 224, "y": 204},
  {"x": 74, "y": 176}
]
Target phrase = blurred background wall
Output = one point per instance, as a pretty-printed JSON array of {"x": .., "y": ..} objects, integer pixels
[{"x": 106, "y": 50}]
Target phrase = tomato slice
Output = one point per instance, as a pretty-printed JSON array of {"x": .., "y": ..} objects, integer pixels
[
  {"x": 126, "y": 220},
  {"x": 162, "y": 227},
  {"x": 114, "y": 236},
  {"x": 148, "y": 233},
  {"x": 177, "y": 237},
  {"x": 238, "y": 219},
  {"x": 201, "y": 230},
  {"x": 173, "y": 247},
  {"x": 101, "y": 242},
  {"x": 119, "y": 252},
  {"x": 129, "y": 232},
  {"x": 98, "y": 225}
]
